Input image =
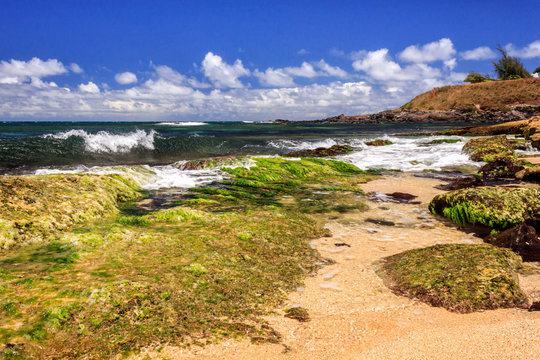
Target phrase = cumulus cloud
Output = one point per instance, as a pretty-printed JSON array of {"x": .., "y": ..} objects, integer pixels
[
  {"x": 18, "y": 71},
  {"x": 271, "y": 77},
  {"x": 530, "y": 51},
  {"x": 305, "y": 70},
  {"x": 379, "y": 66},
  {"x": 480, "y": 53},
  {"x": 170, "y": 75},
  {"x": 125, "y": 78},
  {"x": 222, "y": 74},
  {"x": 75, "y": 68},
  {"x": 434, "y": 51},
  {"x": 89, "y": 88},
  {"x": 302, "y": 52},
  {"x": 284, "y": 76},
  {"x": 331, "y": 70}
]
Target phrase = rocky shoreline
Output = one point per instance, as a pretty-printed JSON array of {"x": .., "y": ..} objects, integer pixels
[{"x": 474, "y": 115}]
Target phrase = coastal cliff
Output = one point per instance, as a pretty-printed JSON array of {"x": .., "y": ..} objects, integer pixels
[{"x": 488, "y": 102}]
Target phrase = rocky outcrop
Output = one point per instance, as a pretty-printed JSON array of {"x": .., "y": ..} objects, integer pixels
[
  {"x": 471, "y": 116},
  {"x": 321, "y": 151},
  {"x": 529, "y": 128},
  {"x": 379, "y": 142}
]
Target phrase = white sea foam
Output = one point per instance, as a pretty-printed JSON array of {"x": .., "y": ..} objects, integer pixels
[
  {"x": 409, "y": 154},
  {"x": 104, "y": 141},
  {"x": 183, "y": 123},
  {"x": 171, "y": 177},
  {"x": 149, "y": 177}
]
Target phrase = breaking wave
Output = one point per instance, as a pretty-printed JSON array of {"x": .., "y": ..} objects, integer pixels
[{"x": 104, "y": 141}]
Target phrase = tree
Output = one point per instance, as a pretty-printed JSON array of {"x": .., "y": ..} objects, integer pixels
[
  {"x": 475, "y": 77},
  {"x": 537, "y": 70},
  {"x": 509, "y": 67}
]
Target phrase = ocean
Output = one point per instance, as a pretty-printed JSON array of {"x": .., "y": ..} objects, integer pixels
[{"x": 52, "y": 147}]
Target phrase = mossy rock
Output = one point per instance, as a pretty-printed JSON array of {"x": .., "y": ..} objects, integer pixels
[
  {"x": 443, "y": 141},
  {"x": 33, "y": 208},
  {"x": 495, "y": 207},
  {"x": 461, "y": 278},
  {"x": 379, "y": 142},
  {"x": 297, "y": 313},
  {"x": 334, "y": 150},
  {"x": 489, "y": 149}
]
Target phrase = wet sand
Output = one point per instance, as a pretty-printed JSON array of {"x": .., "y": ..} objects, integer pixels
[{"x": 355, "y": 316}]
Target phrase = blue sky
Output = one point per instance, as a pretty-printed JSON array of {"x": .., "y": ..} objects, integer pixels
[{"x": 245, "y": 60}]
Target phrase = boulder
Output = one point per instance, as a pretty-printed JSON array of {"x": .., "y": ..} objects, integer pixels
[
  {"x": 489, "y": 149},
  {"x": 379, "y": 142},
  {"x": 522, "y": 239}
]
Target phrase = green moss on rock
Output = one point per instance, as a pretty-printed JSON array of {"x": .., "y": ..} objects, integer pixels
[
  {"x": 33, "y": 208},
  {"x": 458, "y": 277},
  {"x": 489, "y": 149},
  {"x": 495, "y": 207}
]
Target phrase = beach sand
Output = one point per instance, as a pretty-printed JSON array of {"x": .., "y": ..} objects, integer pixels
[{"x": 355, "y": 316}]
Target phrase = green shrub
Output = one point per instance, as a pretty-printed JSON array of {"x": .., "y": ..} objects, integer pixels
[{"x": 509, "y": 67}]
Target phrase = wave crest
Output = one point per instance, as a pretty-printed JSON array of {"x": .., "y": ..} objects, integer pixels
[{"x": 104, "y": 141}]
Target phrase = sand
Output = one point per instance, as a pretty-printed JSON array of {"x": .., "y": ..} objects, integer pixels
[{"x": 355, "y": 316}]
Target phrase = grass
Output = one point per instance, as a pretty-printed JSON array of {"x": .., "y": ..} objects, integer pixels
[
  {"x": 460, "y": 278},
  {"x": 209, "y": 267}
]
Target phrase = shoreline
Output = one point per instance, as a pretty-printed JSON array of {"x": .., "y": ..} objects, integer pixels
[{"x": 355, "y": 316}]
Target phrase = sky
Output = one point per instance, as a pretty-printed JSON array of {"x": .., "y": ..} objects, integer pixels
[{"x": 245, "y": 60}]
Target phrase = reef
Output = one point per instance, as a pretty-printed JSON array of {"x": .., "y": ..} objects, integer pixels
[{"x": 95, "y": 275}]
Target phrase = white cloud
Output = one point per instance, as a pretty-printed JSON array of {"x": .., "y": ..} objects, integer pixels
[
  {"x": 222, "y": 74},
  {"x": 125, "y": 78},
  {"x": 89, "y": 88},
  {"x": 434, "y": 51},
  {"x": 480, "y": 53},
  {"x": 302, "y": 52},
  {"x": 331, "y": 70},
  {"x": 271, "y": 77},
  {"x": 75, "y": 68},
  {"x": 530, "y": 51},
  {"x": 450, "y": 63},
  {"x": 17, "y": 71},
  {"x": 305, "y": 70},
  {"x": 168, "y": 74}
]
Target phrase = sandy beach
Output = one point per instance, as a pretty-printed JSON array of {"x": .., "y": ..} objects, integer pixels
[{"x": 355, "y": 316}]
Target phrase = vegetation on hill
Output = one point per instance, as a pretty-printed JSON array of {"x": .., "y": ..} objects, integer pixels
[{"x": 491, "y": 95}]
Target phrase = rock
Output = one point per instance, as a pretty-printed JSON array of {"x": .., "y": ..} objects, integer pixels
[
  {"x": 535, "y": 306},
  {"x": 500, "y": 168},
  {"x": 297, "y": 313},
  {"x": 458, "y": 277},
  {"x": 529, "y": 173},
  {"x": 462, "y": 183},
  {"x": 522, "y": 239},
  {"x": 458, "y": 116},
  {"x": 380, "y": 222},
  {"x": 379, "y": 142},
  {"x": 321, "y": 151},
  {"x": 489, "y": 149},
  {"x": 497, "y": 208},
  {"x": 203, "y": 163},
  {"x": 402, "y": 197}
]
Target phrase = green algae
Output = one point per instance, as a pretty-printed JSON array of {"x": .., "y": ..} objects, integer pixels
[
  {"x": 458, "y": 277},
  {"x": 490, "y": 148},
  {"x": 495, "y": 207},
  {"x": 35, "y": 208},
  {"x": 209, "y": 267}
]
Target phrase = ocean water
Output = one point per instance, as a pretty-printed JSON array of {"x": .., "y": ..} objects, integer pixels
[{"x": 50, "y": 147}]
